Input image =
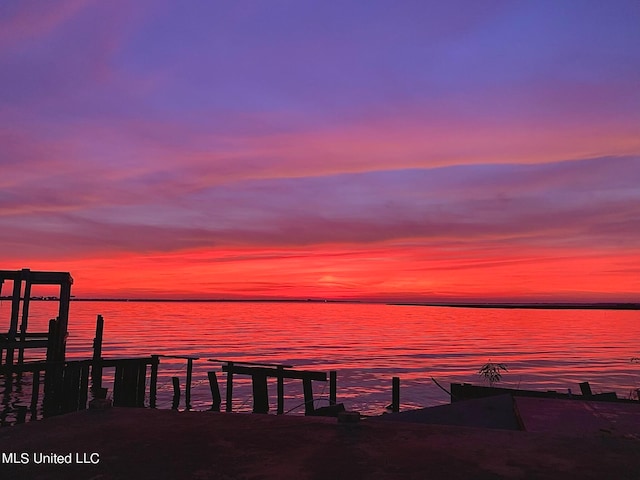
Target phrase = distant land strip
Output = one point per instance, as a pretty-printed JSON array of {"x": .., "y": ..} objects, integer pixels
[
  {"x": 513, "y": 305},
  {"x": 196, "y": 300},
  {"x": 547, "y": 306}
]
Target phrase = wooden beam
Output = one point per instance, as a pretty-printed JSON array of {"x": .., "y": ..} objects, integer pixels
[
  {"x": 250, "y": 363},
  {"x": 37, "y": 277},
  {"x": 13, "y": 344},
  {"x": 275, "y": 372}
]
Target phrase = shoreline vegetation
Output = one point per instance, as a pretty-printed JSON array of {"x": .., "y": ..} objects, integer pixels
[{"x": 506, "y": 305}]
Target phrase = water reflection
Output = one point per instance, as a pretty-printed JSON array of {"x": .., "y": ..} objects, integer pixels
[{"x": 366, "y": 344}]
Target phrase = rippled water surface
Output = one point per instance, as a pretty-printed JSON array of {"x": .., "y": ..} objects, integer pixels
[{"x": 367, "y": 344}]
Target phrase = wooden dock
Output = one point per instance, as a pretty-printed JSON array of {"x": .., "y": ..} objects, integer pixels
[{"x": 59, "y": 386}]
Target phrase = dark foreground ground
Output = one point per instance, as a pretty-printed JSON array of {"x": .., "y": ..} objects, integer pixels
[{"x": 144, "y": 443}]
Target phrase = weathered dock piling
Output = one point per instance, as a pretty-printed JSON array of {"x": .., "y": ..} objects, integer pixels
[
  {"x": 333, "y": 381},
  {"x": 395, "y": 394},
  {"x": 153, "y": 381},
  {"x": 175, "y": 403},
  {"x": 215, "y": 391},
  {"x": 96, "y": 367},
  {"x": 35, "y": 388}
]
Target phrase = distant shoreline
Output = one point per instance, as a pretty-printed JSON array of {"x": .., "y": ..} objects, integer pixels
[
  {"x": 539, "y": 306},
  {"x": 506, "y": 305}
]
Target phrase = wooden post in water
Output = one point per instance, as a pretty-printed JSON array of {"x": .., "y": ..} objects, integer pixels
[
  {"x": 307, "y": 389},
  {"x": 142, "y": 378},
  {"x": 215, "y": 391},
  {"x": 333, "y": 376},
  {"x": 280, "y": 380},
  {"x": 70, "y": 388},
  {"x": 229, "y": 395},
  {"x": 83, "y": 386},
  {"x": 187, "y": 392},
  {"x": 96, "y": 366},
  {"x": 53, "y": 379},
  {"x": 13, "y": 325},
  {"x": 260, "y": 393},
  {"x": 63, "y": 318},
  {"x": 35, "y": 387},
  {"x": 21, "y": 414},
  {"x": 49, "y": 373},
  {"x": 395, "y": 394},
  {"x": 153, "y": 381},
  {"x": 176, "y": 393},
  {"x": 25, "y": 318}
]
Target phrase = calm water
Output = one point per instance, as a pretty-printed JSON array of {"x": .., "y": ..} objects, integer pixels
[{"x": 367, "y": 344}]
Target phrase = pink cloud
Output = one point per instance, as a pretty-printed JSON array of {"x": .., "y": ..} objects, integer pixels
[{"x": 31, "y": 19}]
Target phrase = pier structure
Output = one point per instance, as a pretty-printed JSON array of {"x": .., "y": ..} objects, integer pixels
[
  {"x": 17, "y": 337},
  {"x": 68, "y": 384},
  {"x": 259, "y": 373},
  {"x": 65, "y": 384}
]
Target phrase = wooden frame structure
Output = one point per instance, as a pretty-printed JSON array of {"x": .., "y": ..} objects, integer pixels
[
  {"x": 17, "y": 337},
  {"x": 259, "y": 373}
]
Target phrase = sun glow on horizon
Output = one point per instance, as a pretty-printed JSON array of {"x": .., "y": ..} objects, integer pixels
[{"x": 386, "y": 272}]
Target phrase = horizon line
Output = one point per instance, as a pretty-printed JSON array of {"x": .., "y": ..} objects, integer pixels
[{"x": 454, "y": 304}]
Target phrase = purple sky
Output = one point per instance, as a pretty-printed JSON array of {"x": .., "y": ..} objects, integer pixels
[{"x": 130, "y": 129}]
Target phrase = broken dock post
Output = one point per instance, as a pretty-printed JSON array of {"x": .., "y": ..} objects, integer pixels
[
  {"x": 215, "y": 391},
  {"x": 395, "y": 394},
  {"x": 176, "y": 393},
  {"x": 187, "y": 391},
  {"x": 229, "y": 394},
  {"x": 96, "y": 367},
  {"x": 153, "y": 381},
  {"x": 333, "y": 376}
]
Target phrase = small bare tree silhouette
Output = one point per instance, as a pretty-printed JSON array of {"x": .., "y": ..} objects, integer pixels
[{"x": 491, "y": 372}]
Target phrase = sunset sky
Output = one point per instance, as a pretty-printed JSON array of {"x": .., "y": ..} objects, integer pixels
[{"x": 410, "y": 150}]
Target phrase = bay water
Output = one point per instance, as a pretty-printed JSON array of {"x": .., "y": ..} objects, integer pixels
[{"x": 367, "y": 344}]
